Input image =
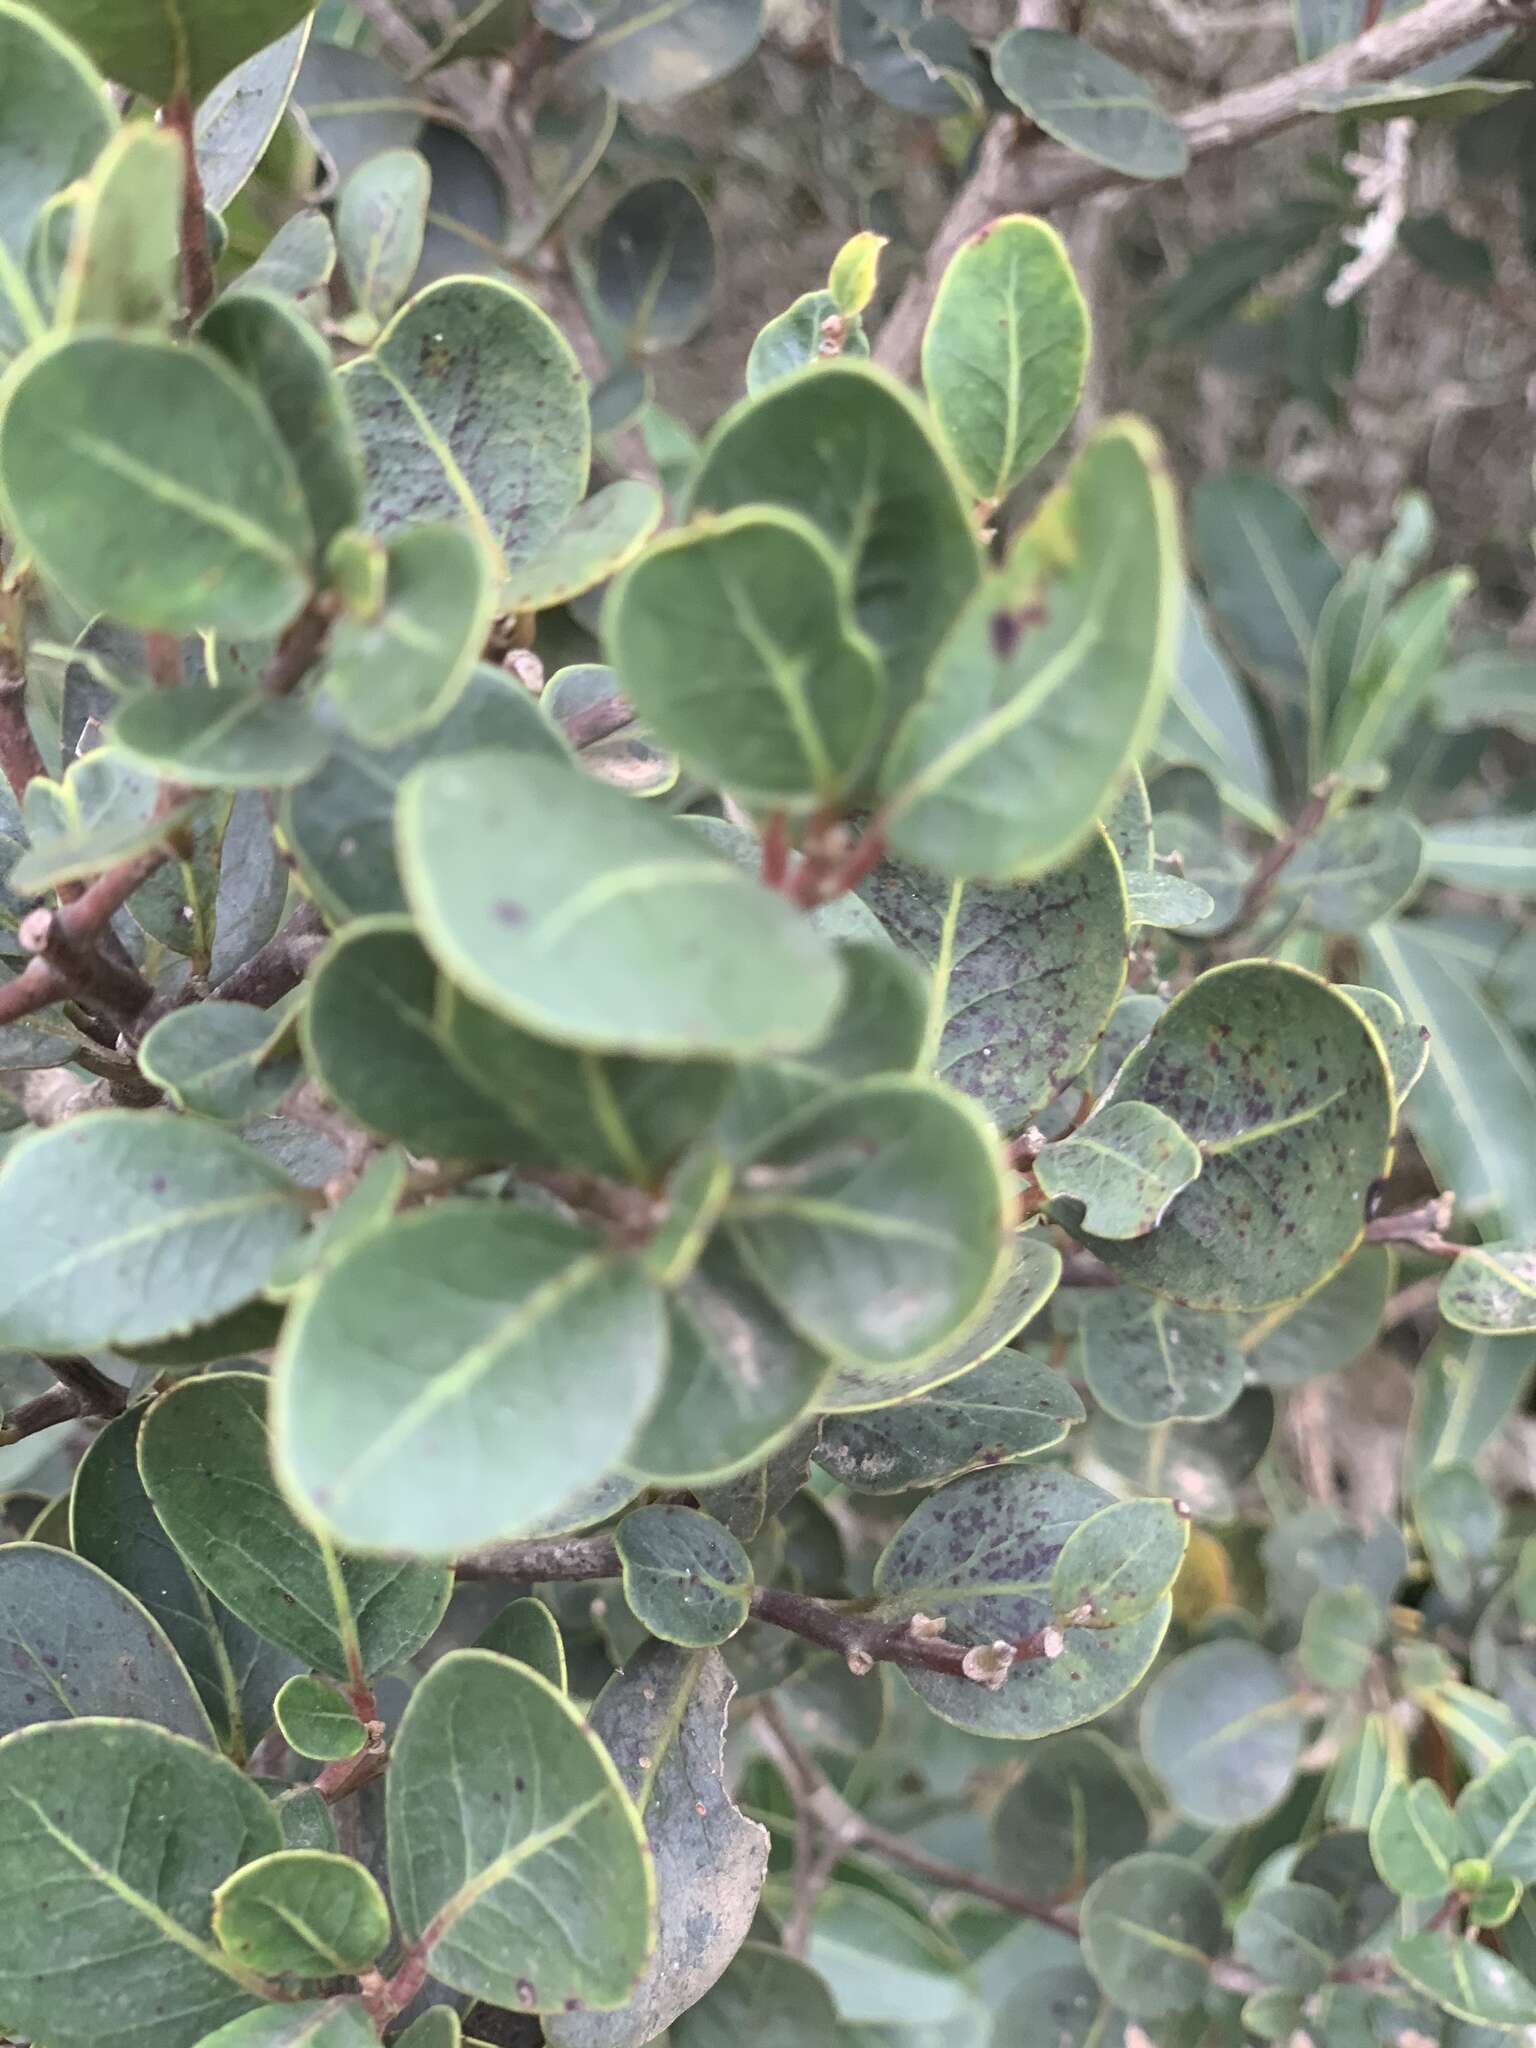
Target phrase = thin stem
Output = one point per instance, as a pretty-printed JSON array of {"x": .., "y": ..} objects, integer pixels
[
  {"x": 299, "y": 647},
  {"x": 106, "y": 986},
  {"x": 19, "y": 756},
  {"x": 1279, "y": 856},
  {"x": 80, "y": 1390},
  {"x": 196, "y": 262},
  {"x": 1423, "y": 1227}
]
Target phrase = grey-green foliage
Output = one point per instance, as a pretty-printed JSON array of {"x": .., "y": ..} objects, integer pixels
[{"x": 573, "y": 1223}]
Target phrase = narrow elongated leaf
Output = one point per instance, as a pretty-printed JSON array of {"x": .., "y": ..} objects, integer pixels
[
  {"x": 1089, "y": 101},
  {"x": 1267, "y": 573},
  {"x": 533, "y": 1356},
  {"x": 906, "y": 531},
  {"x": 197, "y": 1220},
  {"x": 1025, "y": 977},
  {"x": 150, "y": 483},
  {"x": 1001, "y": 1592},
  {"x": 241, "y": 115},
  {"x": 1290, "y": 1149},
  {"x": 204, "y": 1458},
  {"x": 735, "y": 642},
  {"x": 1496, "y": 854},
  {"x": 471, "y": 406},
  {"x": 591, "y": 870},
  {"x": 685, "y": 1577},
  {"x": 1124, "y": 1167},
  {"x": 75, "y": 1644},
  {"x": 1009, "y": 1407},
  {"x": 104, "y": 1942},
  {"x": 1120, "y": 1562},
  {"x": 875, "y": 1219},
  {"x": 1052, "y": 678},
  {"x": 301, "y": 1913},
  {"x": 1005, "y": 351},
  {"x": 663, "y": 1721},
  {"x": 1396, "y": 672},
  {"x": 1151, "y": 1929},
  {"x": 1474, "y": 1112},
  {"x": 536, "y": 1884},
  {"x": 1491, "y": 1289},
  {"x": 166, "y": 49},
  {"x": 1222, "y": 1731}
]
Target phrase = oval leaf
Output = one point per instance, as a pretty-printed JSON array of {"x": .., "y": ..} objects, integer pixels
[
  {"x": 685, "y": 1577},
  {"x": 301, "y": 1913}
]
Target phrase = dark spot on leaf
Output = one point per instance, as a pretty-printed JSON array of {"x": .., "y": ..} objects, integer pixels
[{"x": 509, "y": 913}]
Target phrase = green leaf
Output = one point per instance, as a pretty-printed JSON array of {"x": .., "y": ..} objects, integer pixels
[
  {"x": 526, "y": 1631},
  {"x": 1389, "y": 100},
  {"x": 340, "y": 823},
  {"x": 1494, "y": 854},
  {"x": 55, "y": 120},
  {"x": 221, "y": 738},
  {"x": 1290, "y": 1147},
  {"x": 1032, "y": 1271},
  {"x": 1089, "y": 101},
  {"x": 1396, "y": 673},
  {"x": 373, "y": 1040},
  {"x": 1495, "y": 1903},
  {"x": 1147, "y": 1362},
  {"x": 1000, "y": 1591},
  {"x": 1458, "y": 1519},
  {"x": 315, "y": 1720},
  {"x": 594, "y": 870},
  {"x": 150, "y": 483},
  {"x": 904, "y": 530},
  {"x": 1465, "y": 1389},
  {"x": 800, "y": 336},
  {"x": 1491, "y": 1289},
  {"x": 1292, "y": 1934},
  {"x": 783, "y": 2003},
  {"x": 886, "y": 1968},
  {"x": 1490, "y": 686},
  {"x": 472, "y": 406},
  {"x": 278, "y": 353},
  {"x": 206, "y": 1466},
  {"x": 381, "y": 222},
  {"x": 331, "y": 2023},
  {"x": 297, "y": 263},
  {"x": 1496, "y": 1814},
  {"x": 78, "y": 1644},
  {"x": 84, "y": 1895},
  {"x": 1220, "y": 1728},
  {"x": 1415, "y": 1839},
  {"x": 1125, "y": 1165},
  {"x": 1025, "y": 978},
  {"x": 647, "y": 50},
  {"x": 1120, "y": 1563},
  {"x": 1466, "y": 1980},
  {"x": 1053, "y": 677},
  {"x": 1358, "y": 868},
  {"x": 113, "y": 1525},
  {"x": 855, "y": 272},
  {"x": 169, "y": 49},
  {"x": 1474, "y": 1112},
  {"x": 686, "y": 1579},
  {"x": 438, "y": 2027},
  {"x": 1005, "y": 352},
  {"x": 239, "y": 118},
  {"x": 195, "y": 1220},
  {"x": 603, "y": 534},
  {"x": 1075, "y": 1812},
  {"x": 218, "y": 1060},
  {"x": 104, "y": 811},
  {"x": 554, "y": 1106},
  {"x": 1339, "y": 1634},
  {"x": 527, "y": 1890},
  {"x": 1209, "y": 720},
  {"x": 1405, "y": 1044},
  {"x": 1151, "y": 1927},
  {"x": 654, "y": 265},
  {"x": 1267, "y": 573},
  {"x": 121, "y": 266},
  {"x": 1007, "y": 1408},
  {"x": 739, "y": 1380},
  {"x": 533, "y": 1355},
  {"x": 875, "y": 1219},
  {"x": 301, "y": 1913},
  {"x": 1325, "y": 1331},
  {"x": 735, "y": 642},
  {"x": 920, "y": 62},
  {"x": 663, "y": 1721}
]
